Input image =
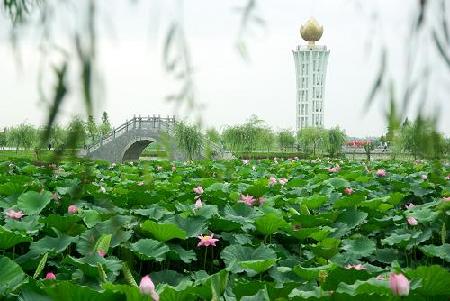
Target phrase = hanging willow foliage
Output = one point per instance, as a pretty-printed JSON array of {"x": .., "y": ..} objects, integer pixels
[{"x": 189, "y": 140}]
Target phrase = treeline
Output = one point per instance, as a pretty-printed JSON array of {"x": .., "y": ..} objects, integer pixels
[
  {"x": 26, "y": 136},
  {"x": 256, "y": 139},
  {"x": 251, "y": 139},
  {"x": 418, "y": 138}
]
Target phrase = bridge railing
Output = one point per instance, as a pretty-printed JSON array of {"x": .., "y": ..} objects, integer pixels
[{"x": 137, "y": 122}]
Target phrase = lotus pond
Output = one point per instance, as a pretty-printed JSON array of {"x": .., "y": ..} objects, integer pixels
[{"x": 224, "y": 230}]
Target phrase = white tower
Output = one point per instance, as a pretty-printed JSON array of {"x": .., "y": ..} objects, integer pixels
[{"x": 311, "y": 70}]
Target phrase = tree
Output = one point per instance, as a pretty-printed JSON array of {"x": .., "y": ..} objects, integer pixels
[
  {"x": 249, "y": 136},
  {"x": 213, "y": 135},
  {"x": 76, "y": 134},
  {"x": 369, "y": 146},
  {"x": 105, "y": 128},
  {"x": 286, "y": 140},
  {"x": 311, "y": 140},
  {"x": 91, "y": 128},
  {"x": 336, "y": 138},
  {"x": 421, "y": 139},
  {"x": 3, "y": 139},
  {"x": 267, "y": 139},
  {"x": 189, "y": 139},
  {"x": 22, "y": 136}
]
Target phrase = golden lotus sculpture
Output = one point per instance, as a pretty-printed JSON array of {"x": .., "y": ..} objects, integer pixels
[{"x": 311, "y": 31}]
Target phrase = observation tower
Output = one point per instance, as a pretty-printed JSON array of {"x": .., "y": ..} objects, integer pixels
[{"x": 310, "y": 69}]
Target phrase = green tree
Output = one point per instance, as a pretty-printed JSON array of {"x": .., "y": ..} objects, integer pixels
[
  {"x": 369, "y": 146},
  {"x": 3, "y": 140},
  {"x": 247, "y": 137},
  {"x": 312, "y": 140},
  {"x": 213, "y": 135},
  {"x": 189, "y": 140},
  {"x": 286, "y": 140},
  {"x": 267, "y": 139},
  {"x": 23, "y": 136},
  {"x": 105, "y": 127},
  {"x": 335, "y": 140},
  {"x": 421, "y": 139},
  {"x": 76, "y": 134},
  {"x": 92, "y": 129}
]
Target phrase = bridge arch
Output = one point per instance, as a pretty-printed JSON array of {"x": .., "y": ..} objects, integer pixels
[{"x": 133, "y": 150}]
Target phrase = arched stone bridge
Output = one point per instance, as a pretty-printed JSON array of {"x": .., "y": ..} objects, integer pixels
[{"x": 126, "y": 142}]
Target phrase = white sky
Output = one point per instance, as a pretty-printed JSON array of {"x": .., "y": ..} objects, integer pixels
[{"x": 230, "y": 89}]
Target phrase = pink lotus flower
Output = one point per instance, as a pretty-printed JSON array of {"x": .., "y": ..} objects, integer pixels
[
  {"x": 198, "y": 204},
  {"x": 410, "y": 206},
  {"x": 399, "y": 284},
  {"x": 446, "y": 199},
  {"x": 357, "y": 267},
  {"x": 424, "y": 177},
  {"x": 198, "y": 190},
  {"x": 207, "y": 240},
  {"x": 72, "y": 209},
  {"x": 247, "y": 199},
  {"x": 412, "y": 221},
  {"x": 14, "y": 214},
  {"x": 50, "y": 275},
  {"x": 381, "y": 173},
  {"x": 272, "y": 181},
  {"x": 447, "y": 177},
  {"x": 348, "y": 190},
  {"x": 335, "y": 169},
  {"x": 283, "y": 181},
  {"x": 101, "y": 253},
  {"x": 147, "y": 287},
  {"x": 261, "y": 200}
]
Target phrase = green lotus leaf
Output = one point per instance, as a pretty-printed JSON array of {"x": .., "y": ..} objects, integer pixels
[
  {"x": 233, "y": 255},
  {"x": 269, "y": 223},
  {"x": 32, "y": 202},
  {"x": 178, "y": 253},
  {"x": 338, "y": 183},
  {"x": 326, "y": 248},
  {"x": 9, "y": 238},
  {"x": 442, "y": 251},
  {"x": 163, "y": 232},
  {"x": 370, "y": 287},
  {"x": 261, "y": 295},
  {"x": 114, "y": 226},
  {"x": 434, "y": 280},
  {"x": 68, "y": 224},
  {"x": 258, "y": 266},
  {"x": 149, "y": 249},
  {"x": 67, "y": 290},
  {"x": 52, "y": 244},
  {"x": 359, "y": 247},
  {"x": 11, "y": 276},
  {"x": 314, "y": 201},
  {"x": 131, "y": 292},
  {"x": 311, "y": 273}
]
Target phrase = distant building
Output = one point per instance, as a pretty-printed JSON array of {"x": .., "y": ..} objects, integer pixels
[{"x": 311, "y": 69}]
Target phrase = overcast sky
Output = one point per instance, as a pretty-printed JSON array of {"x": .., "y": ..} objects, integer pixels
[{"x": 229, "y": 88}]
